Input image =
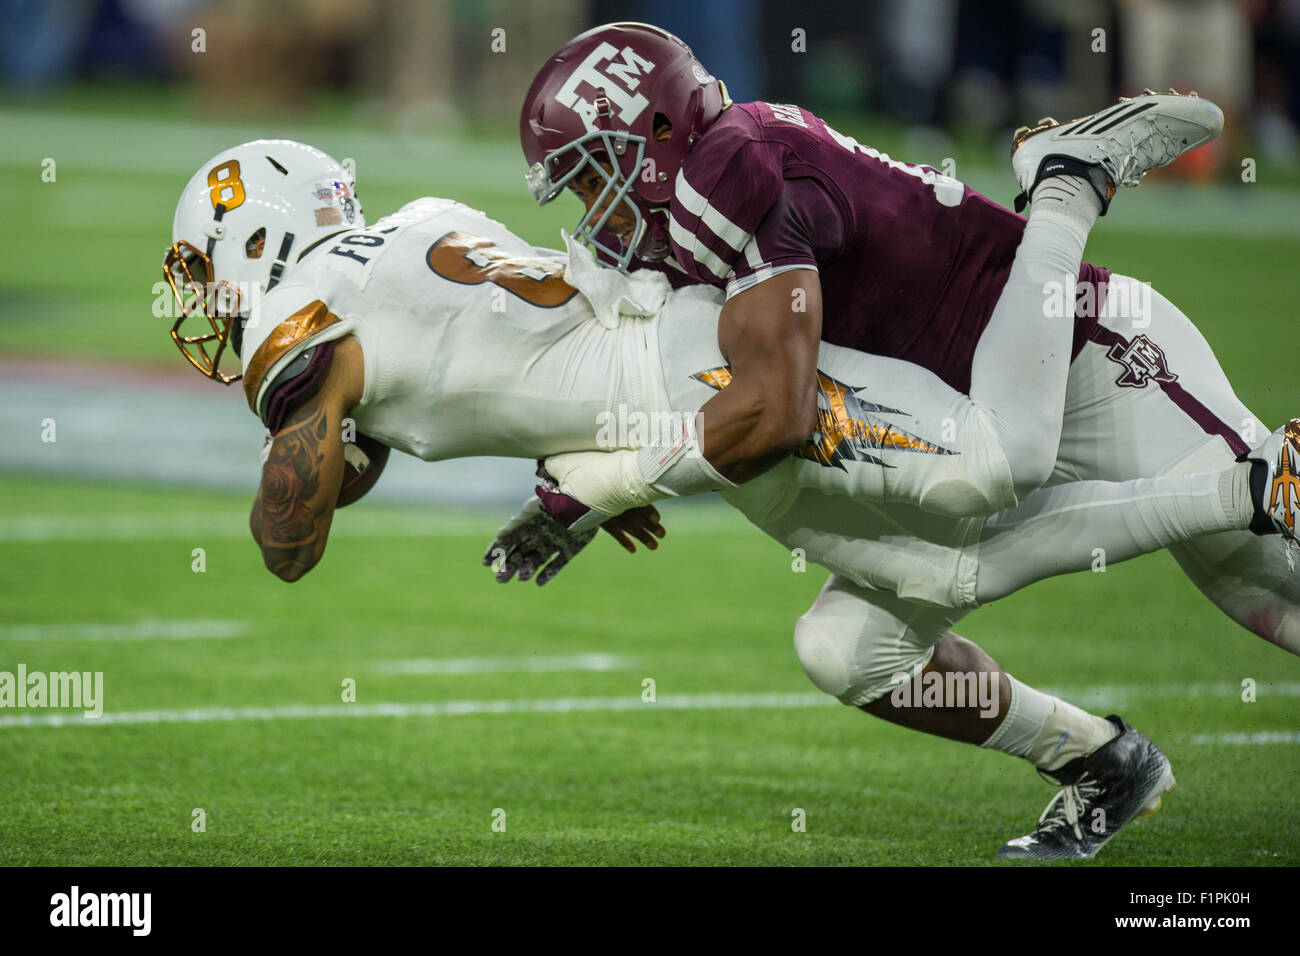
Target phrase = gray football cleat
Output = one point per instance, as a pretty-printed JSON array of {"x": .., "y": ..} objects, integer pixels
[{"x": 1100, "y": 794}]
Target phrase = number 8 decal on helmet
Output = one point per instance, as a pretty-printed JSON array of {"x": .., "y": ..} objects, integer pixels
[{"x": 225, "y": 186}]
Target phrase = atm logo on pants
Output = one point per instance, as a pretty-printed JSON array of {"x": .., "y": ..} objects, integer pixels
[{"x": 1143, "y": 361}]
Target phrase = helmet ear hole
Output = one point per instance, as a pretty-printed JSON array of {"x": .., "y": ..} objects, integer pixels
[
  {"x": 256, "y": 244},
  {"x": 663, "y": 128}
]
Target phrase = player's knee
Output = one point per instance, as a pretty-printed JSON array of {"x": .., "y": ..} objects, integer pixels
[
  {"x": 821, "y": 655},
  {"x": 857, "y": 661},
  {"x": 1248, "y": 578},
  {"x": 959, "y": 499},
  {"x": 977, "y": 481},
  {"x": 1031, "y": 463}
]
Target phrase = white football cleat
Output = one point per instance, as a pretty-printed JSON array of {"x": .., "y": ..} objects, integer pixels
[
  {"x": 1275, "y": 482},
  {"x": 1115, "y": 147}
]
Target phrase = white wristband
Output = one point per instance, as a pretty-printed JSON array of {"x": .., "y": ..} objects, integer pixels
[
  {"x": 613, "y": 482},
  {"x": 679, "y": 473}
]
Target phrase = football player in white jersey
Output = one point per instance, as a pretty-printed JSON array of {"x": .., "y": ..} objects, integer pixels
[{"x": 440, "y": 333}]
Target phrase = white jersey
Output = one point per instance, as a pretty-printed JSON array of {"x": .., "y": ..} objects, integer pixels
[
  {"x": 473, "y": 343},
  {"x": 877, "y": 417}
]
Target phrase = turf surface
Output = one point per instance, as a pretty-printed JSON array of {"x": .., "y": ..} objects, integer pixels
[{"x": 711, "y": 613}]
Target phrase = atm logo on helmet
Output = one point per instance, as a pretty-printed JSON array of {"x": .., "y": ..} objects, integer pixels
[{"x": 628, "y": 71}]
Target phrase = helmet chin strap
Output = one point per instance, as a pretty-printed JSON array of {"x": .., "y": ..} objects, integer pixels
[
  {"x": 277, "y": 270},
  {"x": 281, "y": 260},
  {"x": 215, "y": 230},
  {"x": 237, "y": 336},
  {"x": 651, "y": 241}
]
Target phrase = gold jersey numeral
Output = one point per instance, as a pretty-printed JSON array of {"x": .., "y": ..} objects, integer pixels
[{"x": 470, "y": 260}]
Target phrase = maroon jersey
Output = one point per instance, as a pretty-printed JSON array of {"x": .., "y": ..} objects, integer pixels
[{"x": 911, "y": 262}]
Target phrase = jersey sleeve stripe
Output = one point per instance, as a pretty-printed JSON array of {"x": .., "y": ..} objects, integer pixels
[
  {"x": 697, "y": 205},
  {"x": 739, "y": 284},
  {"x": 696, "y": 249}
]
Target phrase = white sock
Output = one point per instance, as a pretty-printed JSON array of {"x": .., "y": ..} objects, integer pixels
[
  {"x": 1026, "y": 409},
  {"x": 1071, "y": 196},
  {"x": 1234, "y": 491},
  {"x": 1026, "y": 714},
  {"x": 1069, "y": 733},
  {"x": 1047, "y": 731}
]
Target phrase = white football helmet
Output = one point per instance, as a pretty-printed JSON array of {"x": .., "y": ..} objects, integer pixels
[{"x": 246, "y": 216}]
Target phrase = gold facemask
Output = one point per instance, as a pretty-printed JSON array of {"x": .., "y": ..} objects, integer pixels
[{"x": 219, "y": 304}]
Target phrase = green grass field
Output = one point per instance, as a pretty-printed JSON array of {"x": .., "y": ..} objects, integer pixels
[
  {"x": 585, "y": 771},
  {"x": 710, "y": 613}
]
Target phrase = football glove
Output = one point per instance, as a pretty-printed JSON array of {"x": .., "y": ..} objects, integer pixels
[{"x": 534, "y": 544}]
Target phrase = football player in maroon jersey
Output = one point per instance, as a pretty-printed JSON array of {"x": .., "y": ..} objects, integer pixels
[
  {"x": 816, "y": 237},
  {"x": 785, "y": 213}
]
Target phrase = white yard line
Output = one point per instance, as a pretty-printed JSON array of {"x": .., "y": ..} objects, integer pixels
[
  {"x": 1121, "y": 695},
  {"x": 535, "y": 663},
  {"x": 126, "y": 144},
  {"x": 1247, "y": 740},
  {"x": 143, "y": 630},
  {"x": 453, "y": 708},
  {"x": 584, "y": 704}
]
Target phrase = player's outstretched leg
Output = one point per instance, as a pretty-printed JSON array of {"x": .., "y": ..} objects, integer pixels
[
  {"x": 900, "y": 662},
  {"x": 1062, "y": 529},
  {"x": 1070, "y": 171}
]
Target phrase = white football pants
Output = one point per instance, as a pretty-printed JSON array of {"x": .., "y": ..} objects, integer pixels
[{"x": 1146, "y": 398}]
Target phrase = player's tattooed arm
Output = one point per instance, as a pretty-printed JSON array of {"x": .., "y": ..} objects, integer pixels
[{"x": 295, "y": 502}]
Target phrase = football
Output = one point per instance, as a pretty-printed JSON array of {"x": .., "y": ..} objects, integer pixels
[{"x": 363, "y": 462}]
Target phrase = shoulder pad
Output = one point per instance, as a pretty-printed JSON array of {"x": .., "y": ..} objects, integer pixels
[{"x": 283, "y": 340}]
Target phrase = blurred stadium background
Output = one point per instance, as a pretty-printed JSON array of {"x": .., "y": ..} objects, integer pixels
[
  {"x": 118, "y": 101},
  {"x": 110, "y": 105}
]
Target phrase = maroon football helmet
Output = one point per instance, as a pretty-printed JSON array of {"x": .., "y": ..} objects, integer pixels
[{"x": 603, "y": 94}]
